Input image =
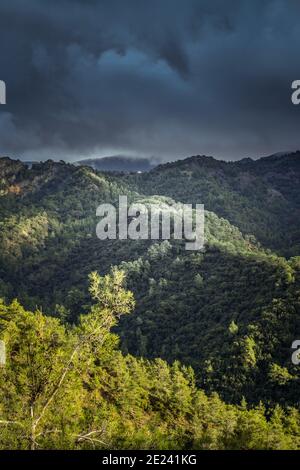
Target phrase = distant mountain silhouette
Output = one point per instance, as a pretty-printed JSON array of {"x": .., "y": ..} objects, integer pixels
[{"x": 118, "y": 163}]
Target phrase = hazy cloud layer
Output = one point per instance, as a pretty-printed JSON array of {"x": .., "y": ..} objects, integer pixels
[{"x": 166, "y": 78}]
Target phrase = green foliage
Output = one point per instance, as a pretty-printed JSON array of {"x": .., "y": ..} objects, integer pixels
[
  {"x": 279, "y": 375},
  {"x": 109, "y": 293},
  {"x": 70, "y": 388},
  {"x": 231, "y": 312}
]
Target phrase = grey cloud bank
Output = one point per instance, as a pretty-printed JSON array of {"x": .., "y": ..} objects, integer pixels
[{"x": 164, "y": 78}]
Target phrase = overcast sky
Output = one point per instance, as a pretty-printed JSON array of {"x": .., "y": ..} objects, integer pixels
[{"x": 161, "y": 78}]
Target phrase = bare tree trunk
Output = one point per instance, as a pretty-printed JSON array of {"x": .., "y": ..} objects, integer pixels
[{"x": 33, "y": 427}]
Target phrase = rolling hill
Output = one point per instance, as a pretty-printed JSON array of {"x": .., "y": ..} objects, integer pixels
[{"x": 232, "y": 312}]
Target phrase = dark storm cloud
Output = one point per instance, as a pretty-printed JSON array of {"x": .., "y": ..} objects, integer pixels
[{"x": 166, "y": 78}]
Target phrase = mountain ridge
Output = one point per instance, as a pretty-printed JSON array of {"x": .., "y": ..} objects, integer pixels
[{"x": 190, "y": 306}]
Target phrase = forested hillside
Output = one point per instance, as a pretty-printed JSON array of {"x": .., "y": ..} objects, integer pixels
[
  {"x": 68, "y": 387},
  {"x": 231, "y": 312},
  {"x": 260, "y": 197},
  {"x": 118, "y": 163}
]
